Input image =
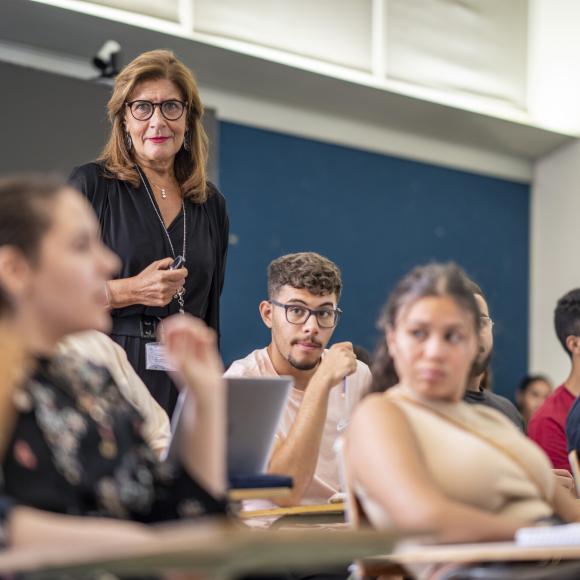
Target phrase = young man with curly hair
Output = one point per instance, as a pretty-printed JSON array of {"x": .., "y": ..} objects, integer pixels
[{"x": 302, "y": 313}]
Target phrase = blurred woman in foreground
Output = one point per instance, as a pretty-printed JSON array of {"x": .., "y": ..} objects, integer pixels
[
  {"x": 421, "y": 458},
  {"x": 77, "y": 448}
]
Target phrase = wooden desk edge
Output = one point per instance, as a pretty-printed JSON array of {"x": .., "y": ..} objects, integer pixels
[
  {"x": 192, "y": 547},
  {"x": 258, "y": 493},
  {"x": 298, "y": 510},
  {"x": 482, "y": 552}
]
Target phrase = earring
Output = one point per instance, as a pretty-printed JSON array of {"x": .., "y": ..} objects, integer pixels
[
  {"x": 186, "y": 143},
  {"x": 128, "y": 141}
]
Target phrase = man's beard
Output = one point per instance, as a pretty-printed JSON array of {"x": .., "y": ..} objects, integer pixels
[
  {"x": 480, "y": 365},
  {"x": 306, "y": 366}
]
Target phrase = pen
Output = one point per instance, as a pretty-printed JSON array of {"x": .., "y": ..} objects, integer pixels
[{"x": 343, "y": 422}]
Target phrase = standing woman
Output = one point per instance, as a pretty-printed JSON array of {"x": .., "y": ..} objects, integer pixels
[{"x": 154, "y": 203}]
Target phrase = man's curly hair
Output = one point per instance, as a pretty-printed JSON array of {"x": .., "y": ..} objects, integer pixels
[{"x": 304, "y": 270}]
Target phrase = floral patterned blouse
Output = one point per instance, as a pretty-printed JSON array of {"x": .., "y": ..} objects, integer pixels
[{"x": 77, "y": 449}]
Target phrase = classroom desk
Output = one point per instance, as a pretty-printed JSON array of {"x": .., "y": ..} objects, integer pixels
[
  {"x": 467, "y": 554},
  {"x": 212, "y": 549},
  {"x": 258, "y": 493},
  {"x": 323, "y": 509}
]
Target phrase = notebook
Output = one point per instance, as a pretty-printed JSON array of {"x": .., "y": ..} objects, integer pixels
[{"x": 559, "y": 535}]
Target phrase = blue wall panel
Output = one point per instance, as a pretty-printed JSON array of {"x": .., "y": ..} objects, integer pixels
[{"x": 376, "y": 216}]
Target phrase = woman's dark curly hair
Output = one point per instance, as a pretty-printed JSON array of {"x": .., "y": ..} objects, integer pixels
[{"x": 423, "y": 281}]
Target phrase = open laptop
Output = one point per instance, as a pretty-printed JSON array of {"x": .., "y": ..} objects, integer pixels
[{"x": 254, "y": 408}]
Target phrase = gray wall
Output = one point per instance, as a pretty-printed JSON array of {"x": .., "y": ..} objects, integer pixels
[
  {"x": 49, "y": 122},
  {"x": 53, "y": 123}
]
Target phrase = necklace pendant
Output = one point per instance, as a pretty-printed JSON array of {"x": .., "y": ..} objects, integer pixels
[{"x": 163, "y": 193}]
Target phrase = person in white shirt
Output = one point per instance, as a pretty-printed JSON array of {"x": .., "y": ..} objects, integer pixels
[{"x": 302, "y": 313}]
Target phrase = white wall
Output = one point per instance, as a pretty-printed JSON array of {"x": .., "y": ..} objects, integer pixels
[
  {"x": 555, "y": 253},
  {"x": 553, "y": 97},
  {"x": 553, "y": 57}
]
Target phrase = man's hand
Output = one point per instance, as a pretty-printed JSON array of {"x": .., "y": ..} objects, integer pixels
[
  {"x": 297, "y": 455},
  {"x": 337, "y": 363}
]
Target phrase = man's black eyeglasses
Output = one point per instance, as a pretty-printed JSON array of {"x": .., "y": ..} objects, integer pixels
[
  {"x": 298, "y": 314},
  {"x": 143, "y": 110}
]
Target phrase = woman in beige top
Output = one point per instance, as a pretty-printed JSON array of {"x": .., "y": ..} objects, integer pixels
[{"x": 422, "y": 459}]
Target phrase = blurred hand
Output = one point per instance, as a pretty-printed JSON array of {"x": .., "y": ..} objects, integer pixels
[
  {"x": 192, "y": 349},
  {"x": 565, "y": 479},
  {"x": 156, "y": 285},
  {"x": 337, "y": 363}
]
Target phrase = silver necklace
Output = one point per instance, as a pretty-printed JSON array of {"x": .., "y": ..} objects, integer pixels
[{"x": 180, "y": 293}]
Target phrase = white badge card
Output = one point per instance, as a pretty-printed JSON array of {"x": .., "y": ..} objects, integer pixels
[{"x": 156, "y": 357}]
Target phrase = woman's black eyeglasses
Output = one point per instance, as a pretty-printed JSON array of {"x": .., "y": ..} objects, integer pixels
[{"x": 143, "y": 110}]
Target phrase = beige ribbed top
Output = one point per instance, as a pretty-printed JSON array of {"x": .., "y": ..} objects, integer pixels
[{"x": 468, "y": 469}]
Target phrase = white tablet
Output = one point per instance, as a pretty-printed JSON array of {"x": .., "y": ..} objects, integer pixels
[{"x": 254, "y": 408}]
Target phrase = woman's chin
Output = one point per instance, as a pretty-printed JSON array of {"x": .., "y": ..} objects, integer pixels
[
  {"x": 105, "y": 324},
  {"x": 159, "y": 154},
  {"x": 101, "y": 322}
]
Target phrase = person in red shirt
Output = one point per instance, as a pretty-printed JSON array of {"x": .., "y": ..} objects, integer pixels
[{"x": 548, "y": 426}]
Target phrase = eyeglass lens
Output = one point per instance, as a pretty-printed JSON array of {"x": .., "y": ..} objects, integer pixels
[
  {"x": 143, "y": 110},
  {"x": 326, "y": 318}
]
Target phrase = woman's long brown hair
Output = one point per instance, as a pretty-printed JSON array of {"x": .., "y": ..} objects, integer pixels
[
  {"x": 430, "y": 280},
  {"x": 189, "y": 165}
]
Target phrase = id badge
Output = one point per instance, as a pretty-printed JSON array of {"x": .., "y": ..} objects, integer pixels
[{"x": 156, "y": 357}]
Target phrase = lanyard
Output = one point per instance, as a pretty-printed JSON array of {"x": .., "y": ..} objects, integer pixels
[{"x": 180, "y": 294}]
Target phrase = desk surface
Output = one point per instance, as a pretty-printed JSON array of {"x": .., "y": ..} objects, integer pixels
[
  {"x": 484, "y": 552},
  {"x": 212, "y": 549},
  {"x": 297, "y": 510}
]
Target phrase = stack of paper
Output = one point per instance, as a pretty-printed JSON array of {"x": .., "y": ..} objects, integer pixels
[{"x": 566, "y": 535}]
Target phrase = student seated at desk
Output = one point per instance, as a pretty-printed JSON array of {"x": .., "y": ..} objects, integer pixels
[
  {"x": 421, "y": 458},
  {"x": 531, "y": 393},
  {"x": 476, "y": 393},
  {"x": 548, "y": 425},
  {"x": 77, "y": 447},
  {"x": 302, "y": 313}
]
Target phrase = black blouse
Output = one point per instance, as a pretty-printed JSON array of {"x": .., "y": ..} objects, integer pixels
[
  {"x": 77, "y": 449},
  {"x": 131, "y": 228}
]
